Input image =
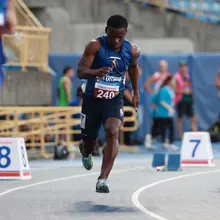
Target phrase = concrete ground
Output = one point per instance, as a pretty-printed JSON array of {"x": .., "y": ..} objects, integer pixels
[{"x": 64, "y": 190}]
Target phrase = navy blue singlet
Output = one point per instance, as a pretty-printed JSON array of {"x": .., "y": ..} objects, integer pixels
[{"x": 112, "y": 83}]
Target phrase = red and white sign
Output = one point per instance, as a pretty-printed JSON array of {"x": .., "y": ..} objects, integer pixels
[{"x": 13, "y": 159}]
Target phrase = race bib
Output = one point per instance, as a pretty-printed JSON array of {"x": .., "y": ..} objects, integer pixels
[{"x": 103, "y": 90}]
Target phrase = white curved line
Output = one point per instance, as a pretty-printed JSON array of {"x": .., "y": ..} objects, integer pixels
[
  {"x": 135, "y": 196},
  {"x": 64, "y": 178}
]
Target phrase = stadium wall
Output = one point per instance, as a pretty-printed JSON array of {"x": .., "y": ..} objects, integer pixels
[
  {"x": 203, "y": 70},
  {"x": 76, "y": 22},
  {"x": 31, "y": 88}
]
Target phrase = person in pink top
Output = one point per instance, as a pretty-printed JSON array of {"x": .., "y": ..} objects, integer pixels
[{"x": 184, "y": 98}]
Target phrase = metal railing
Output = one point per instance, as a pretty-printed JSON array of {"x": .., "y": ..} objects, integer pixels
[
  {"x": 29, "y": 47},
  {"x": 42, "y": 127},
  {"x": 24, "y": 15}
]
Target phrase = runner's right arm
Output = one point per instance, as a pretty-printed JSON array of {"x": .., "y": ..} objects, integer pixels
[{"x": 84, "y": 70}]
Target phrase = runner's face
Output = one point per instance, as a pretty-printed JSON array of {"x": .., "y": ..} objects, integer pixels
[{"x": 116, "y": 37}]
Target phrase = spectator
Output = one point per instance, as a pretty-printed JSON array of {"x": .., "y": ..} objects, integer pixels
[
  {"x": 184, "y": 98},
  {"x": 77, "y": 102},
  {"x": 165, "y": 112},
  {"x": 156, "y": 79},
  {"x": 65, "y": 87},
  {"x": 79, "y": 97}
]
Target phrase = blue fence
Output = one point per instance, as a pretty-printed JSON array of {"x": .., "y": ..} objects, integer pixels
[{"x": 203, "y": 70}]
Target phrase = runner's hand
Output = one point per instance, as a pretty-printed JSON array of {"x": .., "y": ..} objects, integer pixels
[
  {"x": 135, "y": 101},
  {"x": 102, "y": 71}
]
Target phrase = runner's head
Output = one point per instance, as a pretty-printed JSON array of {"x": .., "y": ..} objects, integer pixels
[{"x": 116, "y": 30}]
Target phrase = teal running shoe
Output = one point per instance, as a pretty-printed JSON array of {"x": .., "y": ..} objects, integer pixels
[
  {"x": 87, "y": 160},
  {"x": 102, "y": 186}
]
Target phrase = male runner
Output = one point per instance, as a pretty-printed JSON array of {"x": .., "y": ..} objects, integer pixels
[{"x": 103, "y": 65}]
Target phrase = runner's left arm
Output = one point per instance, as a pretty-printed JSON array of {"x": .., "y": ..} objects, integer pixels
[{"x": 133, "y": 69}]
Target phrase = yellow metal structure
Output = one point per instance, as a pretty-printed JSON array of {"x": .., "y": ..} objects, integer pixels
[
  {"x": 30, "y": 43},
  {"x": 42, "y": 127}
]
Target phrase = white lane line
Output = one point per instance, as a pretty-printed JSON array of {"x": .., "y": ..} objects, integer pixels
[
  {"x": 78, "y": 165},
  {"x": 64, "y": 178},
  {"x": 135, "y": 196}
]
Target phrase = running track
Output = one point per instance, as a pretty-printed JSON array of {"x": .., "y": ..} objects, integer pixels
[{"x": 64, "y": 190}]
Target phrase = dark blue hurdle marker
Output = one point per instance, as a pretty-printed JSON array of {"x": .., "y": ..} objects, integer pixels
[
  {"x": 158, "y": 159},
  {"x": 174, "y": 162}
]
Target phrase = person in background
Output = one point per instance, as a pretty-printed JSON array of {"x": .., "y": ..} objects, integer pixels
[
  {"x": 64, "y": 93},
  {"x": 156, "y": 80},
  {"x": 184, "y": 98},
  {"x": 65, "y": 87},
  {"x": 165, "y": 112},
  {"x": 77, "y": 102},
  {"x": 79, "y": 98},
  {"x": 127, "y": 96}
]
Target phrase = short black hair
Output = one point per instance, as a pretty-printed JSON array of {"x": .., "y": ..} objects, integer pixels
[
  {"x": 117, "y": 21},
  {"x": 66, "y": 69}
]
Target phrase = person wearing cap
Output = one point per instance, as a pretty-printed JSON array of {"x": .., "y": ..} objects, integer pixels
[{"x": 184, "y": 98}]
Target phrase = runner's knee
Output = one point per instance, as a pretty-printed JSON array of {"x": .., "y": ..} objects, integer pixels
[{"x": 112, "y": 132}]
